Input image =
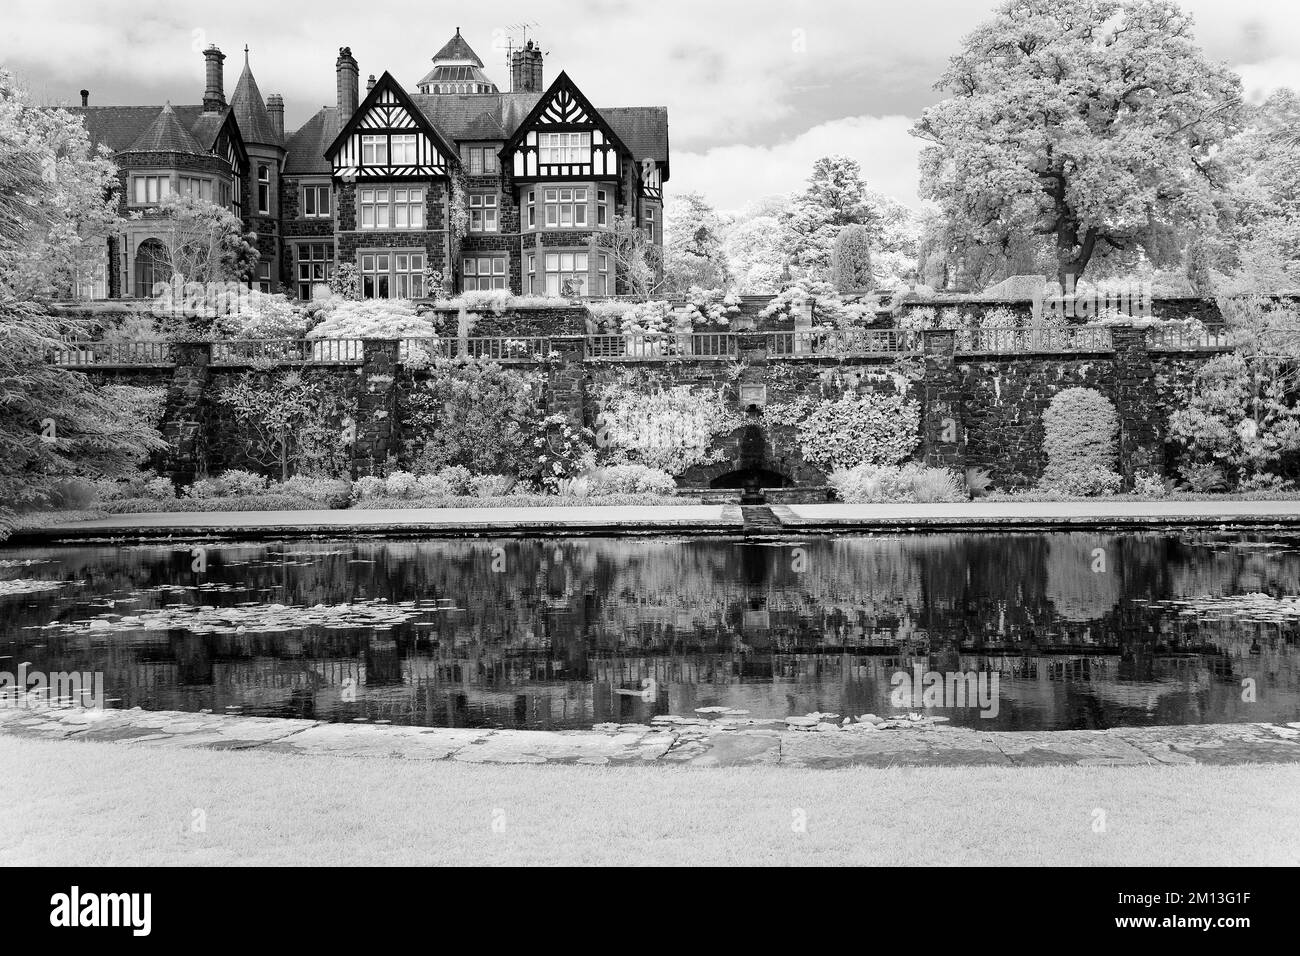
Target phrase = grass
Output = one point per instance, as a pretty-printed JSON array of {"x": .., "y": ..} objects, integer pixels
[{"x": 70, "y": 803}]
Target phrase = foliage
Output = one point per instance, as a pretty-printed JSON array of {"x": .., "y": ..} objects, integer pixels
[
  {"x": 345, "y": 283},
  {"x": 263, "y": 316},
  {"x": 978, "y": 482},
  {"x": 631, "y": 479},
  {"x": 372, "y": 319},
  {"x": 233, "y": 483},
  {"x": 289, "y": 422},
  {"x": 1203, "y": 477},
  {"x": 851, "y": 260},
  {"x": 563, "y": 450},
  {"x": 671, "y": 429},
  {"x": 269, "y": 501},
  {"x": 755, "y": 253},
  {"x": 201, "y": 241},
  {"x": 693, "y": 252},
  {"x": 1095, "y": 124},
  {"x": 491, "y": 486},
  {"x": 636, "y": 259},
  {"x": 58, "y": 199},
  {"x": 1237, "y": 416},
  {"x": 475, "y": 414},
  {"x": 1079, "y": 431},
  {"x": 875, "y": 428},
  {"x": 908, "y": 482}
]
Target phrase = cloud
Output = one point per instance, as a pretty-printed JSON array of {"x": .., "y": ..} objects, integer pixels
[
  {"x": 731, "y": 176},
  {"x": 1258, "y": 80}
]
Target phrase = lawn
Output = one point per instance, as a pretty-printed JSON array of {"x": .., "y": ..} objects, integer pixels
[{"x": 109, "y": 804}]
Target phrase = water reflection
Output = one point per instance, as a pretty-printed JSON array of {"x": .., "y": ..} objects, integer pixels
[{"x": 543, "y": 634}]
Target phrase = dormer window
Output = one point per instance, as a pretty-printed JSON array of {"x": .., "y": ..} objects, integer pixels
[{"x": 564, "y": 148}]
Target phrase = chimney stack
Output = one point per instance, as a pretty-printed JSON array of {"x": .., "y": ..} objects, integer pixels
[
  {"x": 85, "y": 97},
  {"x": 214, "y": 97},
  {"x": 370, "y": 83},
  {"x": 275, "y": 112},
  {"x": 346, "y": 70},
  {"x": 526, "y": 69}
]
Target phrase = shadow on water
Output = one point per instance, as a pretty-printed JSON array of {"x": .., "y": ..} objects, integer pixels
[{"x": 555, "y": 634}]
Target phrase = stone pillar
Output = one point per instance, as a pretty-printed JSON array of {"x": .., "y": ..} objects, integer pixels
[
  {"x": 376, "y": 426},
  {"x": 943, "y": 434},
  {"x": 184, "y": 423},
  {"x": 1141, "y": 419},
  {"x": 566, "y": 379}
]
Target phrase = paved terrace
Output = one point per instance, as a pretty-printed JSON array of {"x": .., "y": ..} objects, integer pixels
[
  {"x": 677, "y": 519},
  {"x": 676, "y": 741}
]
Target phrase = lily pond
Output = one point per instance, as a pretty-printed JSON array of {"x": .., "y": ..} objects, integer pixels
[{"x": 1081, "y": 630}]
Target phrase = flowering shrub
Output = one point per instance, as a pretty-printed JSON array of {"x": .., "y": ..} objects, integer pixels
[
  {"x": 320, "y": 489},
  {"x": 1149, "y": 486},
  {"x": 875, "y": 428},
  {"x": 399, "y": 484},
  {"x": 367, "y": 486},
  {"x": 457, "y": 478},
  {"x": 710, "y": 306},
  {"x": 1080, "y": 426},
  {"x": 671, "y": 429},
  {"x": 434, "y": 486},
  {"x": 631, "y": 479},
  {"x": 372, "y": 319},
  {"x": 263, "y": 316},
  {"x": 1237, "y": 419},
  {"x": 143, "y": 485},
  {"x": 345, "y": 283},
  {"x": 229, "y": 484},
  {"x": 563, "y": 450},
  {"x": 908, "y": 482}
]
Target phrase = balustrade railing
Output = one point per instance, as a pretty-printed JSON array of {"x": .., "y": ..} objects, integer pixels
[
  {"x": 287, "y": 351},
  {"x": 656, "y": 346},
  {"x": 842, "y": 342},
  {"x": 529, "y": 348},
  {"x": 1044, "y": 339}
]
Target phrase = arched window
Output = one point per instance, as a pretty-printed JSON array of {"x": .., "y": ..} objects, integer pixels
[{"x": 152, "y": 266}]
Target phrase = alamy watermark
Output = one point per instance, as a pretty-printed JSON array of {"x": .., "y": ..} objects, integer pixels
[
  {"x": 950, "y": 689},
  {"x": 35, "y": 688},
  {"x": 1132, "y": 299}
]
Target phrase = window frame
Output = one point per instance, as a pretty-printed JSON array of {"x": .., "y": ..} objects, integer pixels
[
  {"x": 316, "y": 190},
  {"x": 263, "y": 189}
]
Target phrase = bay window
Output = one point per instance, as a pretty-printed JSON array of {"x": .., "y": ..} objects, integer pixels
[
  {"x": 151, "y": 189},
  {"x": 566, "y": 267},
  {"x": 192, "y": 186},
  {"x": 565, "y": 208},
  {"x": 263, "y": 189}
]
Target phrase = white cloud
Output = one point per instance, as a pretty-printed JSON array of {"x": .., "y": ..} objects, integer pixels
[
  {"x": 731, "y": 176},
  {"x": 1258, "y": 80}
]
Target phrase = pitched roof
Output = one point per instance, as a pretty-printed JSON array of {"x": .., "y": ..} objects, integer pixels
[
  {"x": 306, "y": 148},
  {"x": 643, "y": 129},
  {"x": 250, "y": 111},
  {"x": 119, "y": 127},
  {"x": 466, "y": 116},
  {"x": 457, "y": 49},
  {"x": 166, "y": 134}
]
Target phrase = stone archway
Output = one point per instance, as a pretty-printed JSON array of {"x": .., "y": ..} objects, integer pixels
[{"x": 152, "y": 266}]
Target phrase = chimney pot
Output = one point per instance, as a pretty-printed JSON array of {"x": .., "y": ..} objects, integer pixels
[
  {"x": 214, "y": 97},
  {"x": 347, "y": 75},
  {"x": 370, "y": 83},
  {"x": 85, "y": 97},
  {"x": 275, "y": 111}
]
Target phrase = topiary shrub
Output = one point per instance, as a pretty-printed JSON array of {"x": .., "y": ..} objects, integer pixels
[
  {"x": 1079, "y": 431},
  {"x": 851, "y": 260}
]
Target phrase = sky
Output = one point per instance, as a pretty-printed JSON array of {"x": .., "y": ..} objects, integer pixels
[{"x": 755, "y": 91}]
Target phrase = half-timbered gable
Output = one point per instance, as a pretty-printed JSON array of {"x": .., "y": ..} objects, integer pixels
[
  {"x": 389, "y": 138},
  {"x": 564, "y": 138}
]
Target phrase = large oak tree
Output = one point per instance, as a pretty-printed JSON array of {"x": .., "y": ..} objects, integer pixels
[{"x": 1092, "y": 123}]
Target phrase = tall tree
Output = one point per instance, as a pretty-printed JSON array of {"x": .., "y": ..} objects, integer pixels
[
  {"x": 835, "y": 197},
  {"x": 851, "y": 268},
  {"x": 693, "y": 253},
  {"x": 54, "y": 195},
  {"x": 1092, "y": 122}
]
